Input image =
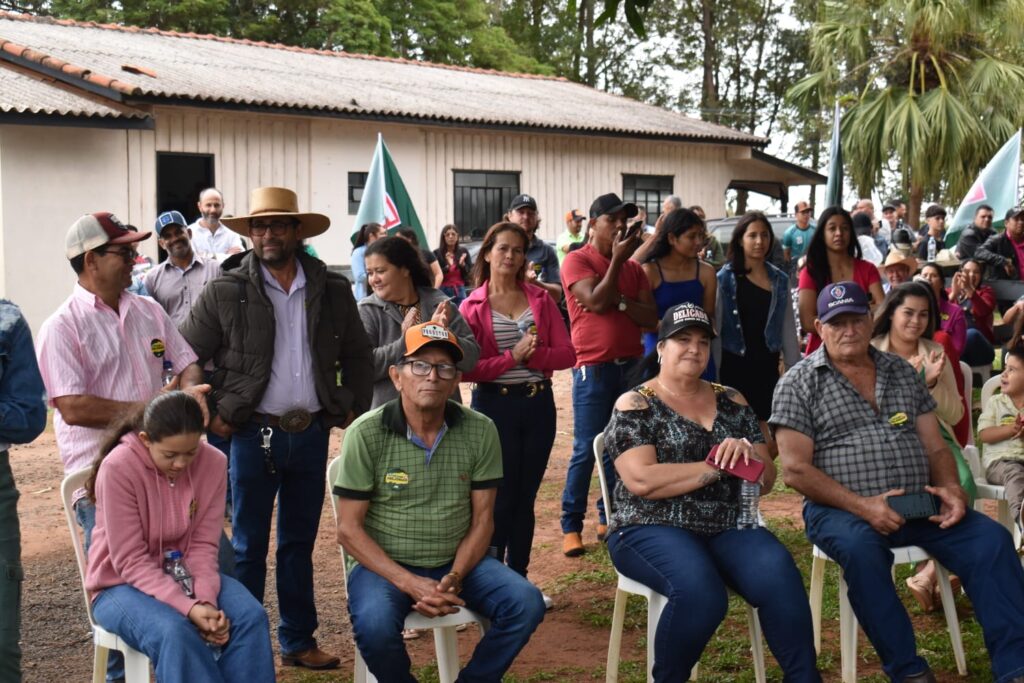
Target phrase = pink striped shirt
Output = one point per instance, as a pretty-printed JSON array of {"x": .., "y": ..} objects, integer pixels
[{"x": 87, "y": 349}]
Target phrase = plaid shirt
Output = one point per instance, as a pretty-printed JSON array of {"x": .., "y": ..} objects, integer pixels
[{"x": 868, "y": 452}]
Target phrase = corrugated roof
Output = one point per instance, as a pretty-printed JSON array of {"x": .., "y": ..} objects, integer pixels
[
  {"x": 161, "y": 64},
  {"x": 25, "y": 92}
]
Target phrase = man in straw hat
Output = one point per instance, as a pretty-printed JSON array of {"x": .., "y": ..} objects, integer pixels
[
  {"x": 292, "y": 360},
  {"x": 899, "y": 267}
]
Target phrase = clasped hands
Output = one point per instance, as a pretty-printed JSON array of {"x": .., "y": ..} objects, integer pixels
[{"x": 434, "y": 598}]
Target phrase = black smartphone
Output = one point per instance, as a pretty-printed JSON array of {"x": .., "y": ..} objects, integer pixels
[{"x": 915, "y": 505}]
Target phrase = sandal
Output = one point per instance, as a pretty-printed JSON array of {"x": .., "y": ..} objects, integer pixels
[{"x": 923, "y": 592}]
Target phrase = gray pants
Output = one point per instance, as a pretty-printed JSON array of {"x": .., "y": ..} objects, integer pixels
[
  {"x": 1010, "y": 474},
  {"x": 11, "y": 576}
]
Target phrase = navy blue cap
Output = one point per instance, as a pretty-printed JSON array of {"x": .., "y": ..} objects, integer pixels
[
  {"x": 169, "y": 218},
  {"x": 842, "y": 297}
]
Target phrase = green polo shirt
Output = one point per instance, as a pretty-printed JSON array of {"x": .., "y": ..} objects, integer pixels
[{"x": 420, "y": 507}]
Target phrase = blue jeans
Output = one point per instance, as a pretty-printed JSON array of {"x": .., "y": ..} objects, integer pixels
[
  {"x": 378, "y": 610},
  {"x": 694, "y": 571},
  {"x": 977, "y": 549},
  {"x": 978, "y": 350},
  {"x": 224, "y": 446},
  {"x": 526, "y": 429},
  {"x": 595, "y": 388},
  {"x": 458, "y": 294},
  {"x": 298, "y": 487},
  {"x": 11, "y": 575},
  {"x": 173, "y": 644}
]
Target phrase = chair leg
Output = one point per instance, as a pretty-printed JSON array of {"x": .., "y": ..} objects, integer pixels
[
  {"x": 847, "y": 635},
  {"x": 446, "y": 647},
  {"x": 952, "y": 620},
  {"x": 99, "y": 664},
  {"x": 615, "y": 638},
  {"x": 655, "y": 606},
  {"x": 361, "y": 674},
  {"x": 756, "y": 644},
  {"x": 817, "y": 586},
  {"x": 136, "y": 667}
]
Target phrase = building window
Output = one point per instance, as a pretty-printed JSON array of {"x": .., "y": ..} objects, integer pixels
[
  {"x": 356, "y": 183},
  {"x": 647, "y": 192},
  {"x": 481, "y": 198}
]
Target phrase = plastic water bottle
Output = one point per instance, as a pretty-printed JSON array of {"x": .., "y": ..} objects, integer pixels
[
  {"x": 931, "y": 248},
  {"x": 175, "y": 566},
  {"x": 750, "y": 497},
  {"x": 167, "y": 376}
]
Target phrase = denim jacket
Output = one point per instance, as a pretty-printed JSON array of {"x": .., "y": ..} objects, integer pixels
[
  {"x": 779, "y": 335},
  {"x": 22, "y": 402}
]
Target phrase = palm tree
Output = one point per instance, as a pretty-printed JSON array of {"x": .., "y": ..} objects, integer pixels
[{"x": 931, "y": 84}]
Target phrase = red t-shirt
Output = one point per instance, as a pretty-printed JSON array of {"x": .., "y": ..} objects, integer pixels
[
  {"x": 602, "y": 337},
  {"x": 864, "y": 273}
]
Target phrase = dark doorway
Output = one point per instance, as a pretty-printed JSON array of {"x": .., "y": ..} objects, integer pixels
[
  {"x": 179, "y": 180},
  {"x": 481, "y": 198}
]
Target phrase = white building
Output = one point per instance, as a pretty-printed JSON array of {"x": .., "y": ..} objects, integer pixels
[{"x": 136, "y": 121}]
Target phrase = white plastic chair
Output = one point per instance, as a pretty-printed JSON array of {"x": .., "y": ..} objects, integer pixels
[
  {"x": 446, "y": 642},
  {"x": 986, "y": 490},
  {"x": 136, "y": 664},
  {"x": 655, "y": 604},
  {"x": 848, "y": 620}
]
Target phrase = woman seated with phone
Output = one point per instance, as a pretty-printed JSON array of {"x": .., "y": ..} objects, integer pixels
[{"x": 682, "y": 448}]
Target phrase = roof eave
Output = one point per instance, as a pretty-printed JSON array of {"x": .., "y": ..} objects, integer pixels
[{"x": 76, "y": 120}]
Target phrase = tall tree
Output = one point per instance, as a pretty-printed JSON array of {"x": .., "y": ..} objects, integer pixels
[{"x": 930, "y": 83}]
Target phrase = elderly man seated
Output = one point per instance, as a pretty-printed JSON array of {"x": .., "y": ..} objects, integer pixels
[
  {"x": 418, "y": 481},
  {"x": 858, "y": 436}
]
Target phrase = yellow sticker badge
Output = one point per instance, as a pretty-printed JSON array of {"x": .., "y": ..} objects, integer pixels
[
  {"x": 192, "y": 507},
  {"x": 1007, "y": 419},
  {"x": 396, "y": 478},
  {"x": 157, "y": 347},
  {"x": 897, "y": 419}
]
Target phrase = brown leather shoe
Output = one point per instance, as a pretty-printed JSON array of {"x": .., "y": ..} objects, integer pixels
[
  {"x": 602, "y": 532},
  {"x": 313, "y": 658},
  {"x": 572, "y": 544}
]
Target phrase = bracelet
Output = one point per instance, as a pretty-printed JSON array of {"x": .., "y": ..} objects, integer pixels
[{"x": 457, "y": 583}]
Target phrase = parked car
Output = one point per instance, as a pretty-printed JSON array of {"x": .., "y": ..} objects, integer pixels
[{"x": 722, "y": 229}]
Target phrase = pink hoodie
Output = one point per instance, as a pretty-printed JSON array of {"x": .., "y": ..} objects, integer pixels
[
  {"x": 139, "y": 516},
  {"x": 554, "y": 348}
]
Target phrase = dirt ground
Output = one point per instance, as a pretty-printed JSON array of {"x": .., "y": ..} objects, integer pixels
[{"x": 57, "y": 643}]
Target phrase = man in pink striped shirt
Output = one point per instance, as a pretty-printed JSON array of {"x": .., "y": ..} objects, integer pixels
[{"x": 105, "y": 350}]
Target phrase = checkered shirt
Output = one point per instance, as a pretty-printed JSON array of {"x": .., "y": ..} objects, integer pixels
[{"x": 868, "y": 452}]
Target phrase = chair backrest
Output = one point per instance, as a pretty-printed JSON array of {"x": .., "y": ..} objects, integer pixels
[
  {"x": 599, "y": 458},
  {"x": 72, "y": 483},
  {"x": 989, "y": 389},
  {"x": 333, "y": 467},
  {"x": 965, "y": 370}
]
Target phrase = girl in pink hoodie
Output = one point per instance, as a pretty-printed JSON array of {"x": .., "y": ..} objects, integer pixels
[{"x": 158, "y": 488}]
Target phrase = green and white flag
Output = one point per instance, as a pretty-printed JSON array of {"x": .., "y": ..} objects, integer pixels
[
  {"x": 834, "y": 189},
  {"x": 995, "y": 186},
  {"x": 385, "y": 199}
]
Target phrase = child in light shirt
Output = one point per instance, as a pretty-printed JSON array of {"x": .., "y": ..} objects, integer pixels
[{"x": 1001, "y": 429}]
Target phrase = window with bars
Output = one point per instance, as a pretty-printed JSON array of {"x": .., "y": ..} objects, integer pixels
[
  {"x": 356, "y": 184},
  {"x": 481, "y": 198},
  {"x": 647, "y": 192}
]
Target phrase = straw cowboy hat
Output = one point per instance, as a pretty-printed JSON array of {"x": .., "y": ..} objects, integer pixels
[
  {"x": 897, "y": 257},
  {"x": 271, "y": 202}
]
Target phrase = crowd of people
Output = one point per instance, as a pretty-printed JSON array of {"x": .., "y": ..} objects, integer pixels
[{"x": 685, "y": 354}]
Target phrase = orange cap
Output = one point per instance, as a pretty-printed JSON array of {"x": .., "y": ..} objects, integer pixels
[{"x": 418, "y": 336}]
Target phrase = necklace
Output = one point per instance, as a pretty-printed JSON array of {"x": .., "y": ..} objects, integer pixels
[
  {"x": 405, "y": 308},
  {"x": 678, "y": 397}
]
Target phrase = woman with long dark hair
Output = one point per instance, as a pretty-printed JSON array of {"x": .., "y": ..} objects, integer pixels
[
  {"x": 754, "y": 316},
  {"x": 403, "y": 296},
  {"x": 676, "y": 273},
  {"x": 159, "y": 495},
  {"x": 522, "y": 342},
  {"x": 833, "y": 255},
  {"x": 951, "y": 318},
  {"x": 455, "y": 264},
  {"x": 367, "y": 235}
]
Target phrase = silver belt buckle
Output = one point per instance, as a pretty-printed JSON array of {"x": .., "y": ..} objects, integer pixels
[{"x": 296, "y": 420}]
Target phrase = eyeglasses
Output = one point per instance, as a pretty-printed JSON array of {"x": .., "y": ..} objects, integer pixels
[
  {"x": 276, "y": 228},
  {"x": 422, "y": 368},
  {"x": 127, "y": 255}
]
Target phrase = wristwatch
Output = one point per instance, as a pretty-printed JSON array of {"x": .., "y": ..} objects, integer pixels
[{"x": 622, "y": 303}]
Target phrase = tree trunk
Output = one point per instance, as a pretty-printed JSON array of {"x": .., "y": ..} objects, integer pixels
[
  {"x": 709, "y": 89},
  {"x": 914, "y": 206},
  {"x": 591, "y": 78},
  {"x": 741, "y": 202},
  {"x": 577, "y": 48}
]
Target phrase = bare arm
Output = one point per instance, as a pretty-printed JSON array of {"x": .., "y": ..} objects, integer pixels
[
  {"x": 808, "y": 304},
  {"x": 473, "y": 545},
  {"x": 435, "y": 270},
  {"x": 642, "y": 310},
  {"x": 710, "y": 282},
  {"x": 92, "y": 411}
]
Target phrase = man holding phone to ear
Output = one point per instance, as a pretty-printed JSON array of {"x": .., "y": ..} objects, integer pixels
[{"x": 858, "y": 436}]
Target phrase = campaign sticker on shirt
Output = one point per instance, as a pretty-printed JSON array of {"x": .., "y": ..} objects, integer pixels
[
  {"x": 944, "y": 316},
  {"x": 192, "y": 507},
  {"x": 897, "y": 419},
  {"x": 396, "y": 478},
  {"x": 1007, "y": 419},
  {"x": 157, "y": 347}
]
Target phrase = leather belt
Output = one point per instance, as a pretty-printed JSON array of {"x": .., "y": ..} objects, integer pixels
[
  {"x": 293, "y": 421},
  {"x": 527, "y": 389}
]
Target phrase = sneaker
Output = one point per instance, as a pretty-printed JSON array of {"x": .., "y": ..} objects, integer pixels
[
  {"x": 602, "y": 532},
  {"x": 548, "y": 602},
  {"x": 572, "y": 544}
]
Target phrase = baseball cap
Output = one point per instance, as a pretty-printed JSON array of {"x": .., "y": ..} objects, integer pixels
[
  {"x": 521, "y": 200},
  {"x": 574, "y": 215},
  {"x": 1015, "y": 211},
  {"x": 95, "y": 230},
  {"x": 888, "y": 207},
  {"x": 683, "y": 316},
  {"x": 424, "y": 334},
  {"x": 169, "y": 218},
  {"x": 935, "y": 210},
  {"x": 842, "y": 297},
  {"x": 610, "y": 203}
]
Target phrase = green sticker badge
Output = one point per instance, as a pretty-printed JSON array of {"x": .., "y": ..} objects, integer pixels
[
  {"x": 157, "y": 347},
  {"x": 897, "y": 419},
  {"x": 396, "y": 478}
]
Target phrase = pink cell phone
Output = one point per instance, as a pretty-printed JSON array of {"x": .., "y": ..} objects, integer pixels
[{"x": 751, "y": 471}]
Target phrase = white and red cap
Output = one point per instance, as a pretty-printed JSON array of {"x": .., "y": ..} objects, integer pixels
[{"x": 95, "y": 230}]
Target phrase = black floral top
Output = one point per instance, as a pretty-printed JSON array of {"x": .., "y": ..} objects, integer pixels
[{"x": 707, "y": 510}]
